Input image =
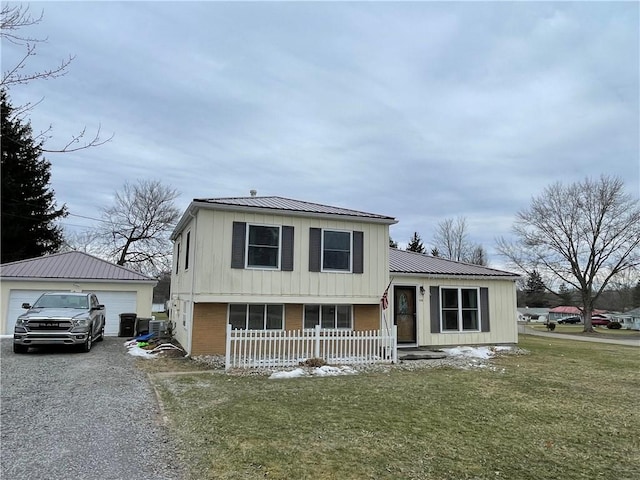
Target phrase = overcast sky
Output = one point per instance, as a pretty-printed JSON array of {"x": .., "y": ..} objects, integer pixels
[{"x": 420, "y": 111}]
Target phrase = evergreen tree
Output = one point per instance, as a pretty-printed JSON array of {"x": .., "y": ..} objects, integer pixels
[
  {"x": 393, "y": 243},
  {"x": 415, "y": 244},
  {"x": 534, "y": 291},
  {"x": 636, "y": 295},
  {"x": 565, "y": 295},
  {"x": 435, "y": 252},
  {"x": 29, "y": 210}
]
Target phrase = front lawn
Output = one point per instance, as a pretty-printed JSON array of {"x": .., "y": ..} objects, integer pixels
[{"x": 568, "y": 410}]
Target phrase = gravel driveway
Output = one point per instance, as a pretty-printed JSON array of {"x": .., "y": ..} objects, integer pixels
[{"x": 81, "y": 415}]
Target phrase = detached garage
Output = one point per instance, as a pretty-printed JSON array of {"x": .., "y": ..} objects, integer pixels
[{"x": 120, "y": 289}]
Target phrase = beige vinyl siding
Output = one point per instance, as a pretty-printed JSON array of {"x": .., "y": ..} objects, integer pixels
[
  {"x": 215, "y": 280},
  {"x": 502, "y": 308}
]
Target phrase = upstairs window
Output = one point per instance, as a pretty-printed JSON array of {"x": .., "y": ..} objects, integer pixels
[
  {"x": 186, "y": 251},
  {"x": 336, "y": 250},
  {"x": 263, "y": 246}
]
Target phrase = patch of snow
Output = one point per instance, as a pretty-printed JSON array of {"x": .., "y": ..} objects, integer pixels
[
  {"x": 297, "y": 373},
  {"x": 324, "y": 371},
  {"x": 475, "y": 352}
]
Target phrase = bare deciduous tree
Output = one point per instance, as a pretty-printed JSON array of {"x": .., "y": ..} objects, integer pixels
[
  {"x": 12, "y": 20},
  {"x": 451, "y": 238},
  {"x": 137, "y": 226},
  {"x": 451, "y": 241},
  {"x": 585, "y": 234}
]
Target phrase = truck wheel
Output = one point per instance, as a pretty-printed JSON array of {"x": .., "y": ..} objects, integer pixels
[
  {"x": 86, "y": 347},
  {"x": 20, "y": 348}
]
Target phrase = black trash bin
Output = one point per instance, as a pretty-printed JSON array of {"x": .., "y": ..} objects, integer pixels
[
  {"x": 142, "y": 326},
  {"x": 127, "y": 324}
]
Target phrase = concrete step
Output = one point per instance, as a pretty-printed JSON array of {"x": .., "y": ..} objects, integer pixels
[{"x": 416, "y": 353}]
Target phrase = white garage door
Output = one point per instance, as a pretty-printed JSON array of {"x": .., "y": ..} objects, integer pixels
[
  {"x": 116, "y": 303},
  {"x": 16, "y": 299}
]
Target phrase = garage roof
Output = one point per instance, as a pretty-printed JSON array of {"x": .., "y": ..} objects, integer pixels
[{"x": 70, "y": 266}]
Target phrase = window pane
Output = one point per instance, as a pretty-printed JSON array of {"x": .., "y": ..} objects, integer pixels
[
  {"x": 336, "y": 260},
  {"x": 449, "y": 298},
  {"x": 311, "y": 316},
  {"x": 328, "y": 316},
  {"x": 344, "y": 316},
  {"x": 337, "y": 240},
  {"x": 259, "y": 235},
  {"x": 256, "y": 317},
  {"x": 262, "y": 257},
  {"x": 450, "y": 320},
  {"x": 238, "y": 316},
  {"x": 469, "y": 298},
  {"x": 274, "y": 317},
  {"x": 470, "y": 320}
]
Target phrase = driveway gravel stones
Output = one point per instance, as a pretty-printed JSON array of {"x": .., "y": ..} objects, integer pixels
[{"x": 66, "y": 414}]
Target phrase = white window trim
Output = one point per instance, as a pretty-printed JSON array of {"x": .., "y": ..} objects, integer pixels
[
  {"x": 264, "y": 319},
  {"x": 331, "y": 270},
  {"x": 187, "y": 252},
  {"x": 177, "y": 259},
  {"x": 335, "y": 320},
  {"x": 479, "y": 309},
  {"x": 246, "y": 248}
]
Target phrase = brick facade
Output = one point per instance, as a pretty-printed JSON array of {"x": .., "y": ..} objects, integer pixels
[{"x": 210, "y": 324}]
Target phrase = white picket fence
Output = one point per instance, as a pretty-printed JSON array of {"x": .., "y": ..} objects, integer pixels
[{"x": 284, "y": 348}]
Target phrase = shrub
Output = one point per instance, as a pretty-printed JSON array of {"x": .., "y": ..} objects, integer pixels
[
  {"x": 614, "y": 325},
  {"x": 313, "y": 362},
  {"x": 551, "y": 326}
]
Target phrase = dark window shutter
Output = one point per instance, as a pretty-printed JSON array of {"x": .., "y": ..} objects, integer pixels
[
  {"x": 358, "y": 252},
  {"x": 484, "y": 309},
  {"x": 315, "y": 244},
  {"x": 286, "y": 261},
  {"x": 237, "y": 244},
  {"x": 434, "y": 298}
]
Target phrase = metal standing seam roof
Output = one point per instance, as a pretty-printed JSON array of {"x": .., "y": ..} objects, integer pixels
[
  {"x": 287, "y": 204},
  {"x": 278, "y": 204},
  {"x": 70, "y": 266},
  {"x": 401, "y": 261}
]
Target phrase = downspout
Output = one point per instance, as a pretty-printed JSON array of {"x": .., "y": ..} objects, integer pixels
[{"x": 193, "y": 277}]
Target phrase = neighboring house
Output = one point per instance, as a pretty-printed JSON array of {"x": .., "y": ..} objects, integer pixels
[
  {"x": 120, "y": 289},
  {"x": 274, "y": 263},
  {"x": 568, "y": 311},
  {"x": 629, "y": 320},
  {"x": 439, "y": 302},
  {"x": 527, "y": 314}
]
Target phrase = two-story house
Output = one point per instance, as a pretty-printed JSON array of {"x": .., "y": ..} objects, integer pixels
[
  {"x": 271, "y": 263},
  {"x": 275, "y": 263}
]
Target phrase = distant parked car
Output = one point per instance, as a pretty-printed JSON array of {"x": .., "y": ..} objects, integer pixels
[
  {"x": 568, "y": 320},
  {"x": 599, "y": 320}
]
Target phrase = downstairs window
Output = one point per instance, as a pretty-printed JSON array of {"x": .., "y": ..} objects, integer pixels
[
  {"x": 256, "y": 317},
  {"x": 328, "y": 316}
]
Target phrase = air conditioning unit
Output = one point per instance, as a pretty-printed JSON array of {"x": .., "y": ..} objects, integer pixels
[{"x": 158, "y": 327}]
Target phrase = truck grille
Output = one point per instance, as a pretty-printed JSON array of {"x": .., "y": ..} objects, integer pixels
[{"x": 49, "y": 325}]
